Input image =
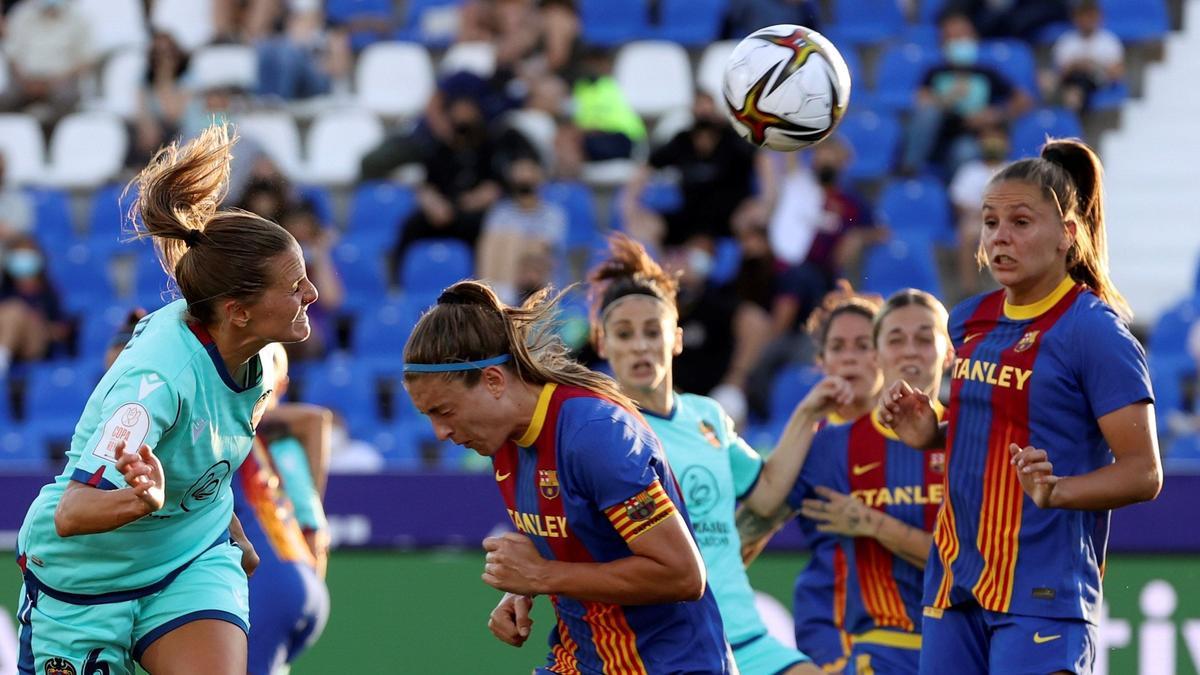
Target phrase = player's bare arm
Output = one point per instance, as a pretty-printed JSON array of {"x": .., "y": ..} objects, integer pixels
[
  {"x": 85, "y": 509},
  {"x": 843, "y": 514}
]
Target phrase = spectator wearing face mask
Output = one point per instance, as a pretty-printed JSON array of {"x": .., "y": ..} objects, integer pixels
[
  {"x": 31, "y": 316},
  {"x": 966, "y": 193},
  {"x": 519, "y": 227}
]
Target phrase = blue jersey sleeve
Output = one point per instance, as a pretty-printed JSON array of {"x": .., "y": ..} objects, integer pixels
[
  {"x": 1111, "y": 363},
  {"x": 139, "y": 408},
  {"x": 744, "y": 462},
  {"x": 291, "y": 461},
  {"x": 613, "y": 459}
]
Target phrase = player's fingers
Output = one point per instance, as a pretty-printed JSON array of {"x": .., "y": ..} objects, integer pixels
[
  {"x": 826, "y": 527},
  {"x": 1046, "y": 480},
  {"x": 1038, "y": 467},
  {"x": 490, "y": 580},
  {"x": 514, "y": 537},
  {"x": 491, "y": 543},
  {"x": 827, "y": 493}
]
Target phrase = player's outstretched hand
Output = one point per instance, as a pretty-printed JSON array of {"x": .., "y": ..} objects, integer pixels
[
  {"x": 831, "y": 392},
  {"x": 510, "y": 621},
  {"x": 909, "y": 412},
  {"x": 1035, "y": 472},
  {"x": 512, "y": 564},
  {"x": 144, "y": 473},
  {"x": 840, "y": 513}
]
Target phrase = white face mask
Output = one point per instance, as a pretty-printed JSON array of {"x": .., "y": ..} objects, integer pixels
[{"x": 700, "y": 262}]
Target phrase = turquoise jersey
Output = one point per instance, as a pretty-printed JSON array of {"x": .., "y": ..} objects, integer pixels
[
  {"x": 291, "y": 463},
  {"x": 170, "y": 390},
  {"x": 715, "y": 468}
]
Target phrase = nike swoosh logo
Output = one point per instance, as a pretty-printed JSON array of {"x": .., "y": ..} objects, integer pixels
[
  {"x": 501, "y": 476},
  {"x": 1038, "y": 639},
  {"x": 861, "y": 469},
  {"x": 970, "y": 337},
  {"x": 148, "y": 384}
]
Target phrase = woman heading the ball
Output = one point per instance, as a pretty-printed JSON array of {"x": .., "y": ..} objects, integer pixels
[
  {"x": 601, "y": 528},
  {"x": 1050, "y": 426}
]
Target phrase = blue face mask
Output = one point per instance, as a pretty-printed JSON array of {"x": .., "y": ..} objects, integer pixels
[
  {"x": 23, "y": 263},
  {"x": 962, "y": 51}
]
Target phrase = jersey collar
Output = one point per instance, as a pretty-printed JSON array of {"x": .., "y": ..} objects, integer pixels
[
  {"x": 210, "y": 346},
  {"x": 1036, "y": 309},
  {"x": 539, "y": 417}
]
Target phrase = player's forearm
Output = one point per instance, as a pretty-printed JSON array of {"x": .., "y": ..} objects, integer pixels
[
  {"x": 88, "y": 510},
  {"x": 783, "y": 466},
  {"x": 636, "y": 580},
  {"x": 1121, "y": 483},
  {"x": 755, "y": 530},
  {"x": 908, "y": 542}
]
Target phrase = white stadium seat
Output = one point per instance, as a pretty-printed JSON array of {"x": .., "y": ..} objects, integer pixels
[
  {"x": 86, "y": 150},
  {"x": 336, "y": 143},
  {"x": 537, "y": 127},
  {"x": 655, "y": 76},
  {"x": 670, "y": 124},
  {"x": 23, "y": 147},
  {"x": 121, "y": 82},
  {"x": 394, "y": 79},
  {"x": 277, "y": 135},
  {"x": 116, "y": 24},
  {"x": 224, "y": 66},
  {"x": 190, "y": 22},
  {"x": 472, "y": 57},
  {"x": 711, "y": 69}
]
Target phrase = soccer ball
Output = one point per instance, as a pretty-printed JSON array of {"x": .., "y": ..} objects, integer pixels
[{"x": 786, "y": 87}]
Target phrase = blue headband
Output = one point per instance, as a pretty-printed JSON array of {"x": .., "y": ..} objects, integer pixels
[{"x": 452, "y": 367}]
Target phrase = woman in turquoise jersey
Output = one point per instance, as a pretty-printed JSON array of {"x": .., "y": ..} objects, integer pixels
[
  {"x": 634, "y": 326},
  {"x": 128, "y": 554}
]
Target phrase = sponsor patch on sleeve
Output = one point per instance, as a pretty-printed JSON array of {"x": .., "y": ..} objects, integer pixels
[
  {"x": 130, "y": 423},
  {"x": 638, "y": 514}
]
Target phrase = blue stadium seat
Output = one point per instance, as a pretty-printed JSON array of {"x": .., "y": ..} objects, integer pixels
[
  {"x": 576, "y": 199},
  {"x": 377, "y": 211},
  {"x": 380, "y": 332},
  {"x": 1183, "y": 454},
  {"x": 693, "y": 23},
  {"x": 659, "y": 195},
  {"x": 905, "y": 261},
  {"x": 81, "y": 276},
  {"x": 419, "y": 27},
  {"x": 98, "y": 326},
  {"x": 866, "y": 21},
  {"x": 1168, "y": 343},
  {"x": 55, "y": 393},
  {"x": 342, "y": 11},
  {"x": 22, "y": 449},
  {"x": 1167, "y": 381},
  {"x": 1047, "y": 35},
  {"x": 1136, "y": 20},
  {"x": 900, "y": 72},
  {"x": 319, "y": 200},
  {"x": 929, "y": 10},
  {"x": 152, "y": 288},
  {"x": 1013, "y": 59},
  {"x": 360, "y": 267},
  {"x": 106, "y": 219},
  {"x": 1111, "y": 97},
  {"x": 609, "y": 23},
  {"x": 924, "y": 34},
  {"x": 400, "y": 443},
  {"x": 918, "y": 206},
  {"x": 431, "y": 265},
  {"x": 52, "y": 216},
  {"x": 726, "y": 261},
  {"x": 347, "y": 386},
  {"x": 1030, "y": 130},
  {"x": 789, "y": 387},
  {"x": 875, "y": 139}
]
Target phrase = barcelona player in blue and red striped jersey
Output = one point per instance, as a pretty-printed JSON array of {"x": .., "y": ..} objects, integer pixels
[
  {"x": 881, "y": 496},
  {"x": 1050, "y": 425},
  {"x": 602, "y": 529}
]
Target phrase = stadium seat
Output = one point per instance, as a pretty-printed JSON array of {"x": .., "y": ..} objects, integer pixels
[
  {"x": 394, "y": 79},
  {"x": 692, "y": 23},
  {"x": 655, "y": 76},
  {"x": 106, "y": 218},
  {"x": 430, "y": 265},
  {"x": 121, "y": 82},
  {"x": 225, "y": 65},
  {"x": 576, "y": 200},
  {"x": 86, "y": 149},
  {"x": 1166, "y": 378},
  {"x": 346, "y": 386},
  {"x": 361, "y": 271},
  {"x": 901, "y": 67},
  {"x": 788, "y": 388},
  {"x": 472, "y": 57},
  {"x": 55, "y": 393},
  {"x": 1136, "y": 20},
  {"x": 710, "y": 72},
  {"x": 21, "y": 449},
  {"x": 399, "y": 443},
  {"x": 905, "y": 261},
  {"x": 670, "y": 124},
  {"x": 377, "y": 210},
  {"x": 659, "y": 195},
  {"x": 1168, "y": 343},
  {"x": 277, "y": 135},
  {"x": 23, "y": 148},
  {"x": 190, "y": 22},
  {"x": 81, "y": 276},
  {"x": 52, "y": 216},
  {"x": 1029, "y": 132},
  {"x": 432, "y": 22},
  {"x": 115, "y": 24},
  {"x": 104, "y": 319},
  {"x": 318, "y": 198},
  {"x": 1110, "y": 97},
  {"x": 336, "y": 143},
  {"x": 1183, "y": 455},
  {"x": 151, "y": 287},
  {"x": 874, "y": 138},
  {"x": 918, "y": 206},
  {"x": 608, "y": 23},
  {"x": 382, "y": 329},
  {"x": 1013, "y": 59},
  {"x": 538, "y": 127},
  {"x": 344, "y": 11},
  {"x": 726, "y": 261},
  {"x": 866, "y": 21}
]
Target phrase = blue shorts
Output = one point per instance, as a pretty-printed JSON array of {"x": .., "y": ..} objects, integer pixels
[
  {"x": 967, "y": 639},
  {"x": 884, "y": 652},
  {"x": 764, "y": 655},
  {"x": 289, "y": 606}
]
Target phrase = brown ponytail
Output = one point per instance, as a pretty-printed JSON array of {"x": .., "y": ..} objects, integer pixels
[
  {"x": 629, "y": 270},
  {"x": 1071, "y": 175},
  {"x": 210, "y": 253},
  {"x": 471, "y": 323}
]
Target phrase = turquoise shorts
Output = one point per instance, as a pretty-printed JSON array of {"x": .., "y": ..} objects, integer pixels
[
  {"x": 60, "y": 637},
  {"x": 764, "y": 655}
]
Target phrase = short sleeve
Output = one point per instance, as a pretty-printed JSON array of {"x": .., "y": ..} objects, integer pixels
[
  {"x": 744, "y": 462},
  {"x": 817, "y": 468},
  {"x": 1112, "y": 369},
  {"x": 139, "y": 408},
  {"x": 291, "y": 462}
]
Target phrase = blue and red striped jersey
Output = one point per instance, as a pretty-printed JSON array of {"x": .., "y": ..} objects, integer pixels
[
  {"x": 586, "y": 479},
  {"x": 1039, "y": 375}
]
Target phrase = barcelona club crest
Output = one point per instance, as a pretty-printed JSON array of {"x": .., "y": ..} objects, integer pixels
[
  {"x": 710, "y": 434},
  {"x": 59, "y": 666},
  {"x": 937, "y": 462},
  {"x": 548, "y": 483},
  {"x": 1027, "y": 341},
  {"x": 639, "y": 506}
]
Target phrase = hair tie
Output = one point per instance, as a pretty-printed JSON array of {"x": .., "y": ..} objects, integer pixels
[{"x": 192, "y": 237}]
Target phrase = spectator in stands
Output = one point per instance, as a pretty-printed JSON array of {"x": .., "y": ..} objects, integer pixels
[
  {"x": 31, "y": 315},
  {"x": 303, "y": 59},
  {"x": 966, "y": 194},
  {"x": 16, "y": 212},
  {"x": 520, "y": 229},
  {"x": 605, "y": 125},
  {"x": 1086, "y": 58},
  {"x": 716, "y": 169},
  {"x": 956, "y": 100},
  {"x": 48, "y": 45},
  {"x": 316, "y": 242},
  {"x": 1022, "y": 19},
  {"x": 461, "y": 183},
  {"x": 561, "y": 46},
  {"x": 164, "y": 97},
  {"x": 746, "y": 16}
]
